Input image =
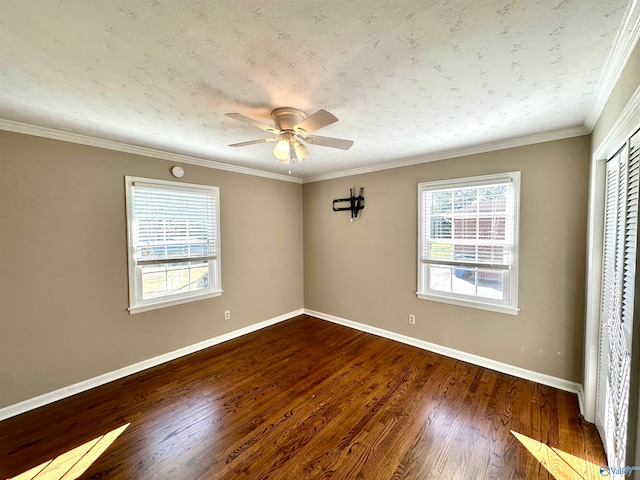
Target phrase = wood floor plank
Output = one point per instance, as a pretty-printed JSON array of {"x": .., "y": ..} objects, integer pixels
[{"x": 308, "y": 399}]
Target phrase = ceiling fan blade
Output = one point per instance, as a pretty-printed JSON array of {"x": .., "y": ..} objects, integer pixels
[
  {"x": 253, "y": 142},
  {"x": 251, "y": 121},
  {"x": 329, "y": 142},
  {"x": 316, "y": 121}
]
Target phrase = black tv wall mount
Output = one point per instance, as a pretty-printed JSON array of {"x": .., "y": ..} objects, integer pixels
[{"x": 355, "y": 203}]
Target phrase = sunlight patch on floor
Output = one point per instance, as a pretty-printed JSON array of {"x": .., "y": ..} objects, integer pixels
[
  {"x": 561, "y": 465},
  {"x": 70, "y": 465}
]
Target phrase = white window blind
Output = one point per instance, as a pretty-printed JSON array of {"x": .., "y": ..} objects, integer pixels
[
  {"x": 173, "y": 242},
  {"x": 468, "y": 241},
  {"x": 173, "y": 224}
]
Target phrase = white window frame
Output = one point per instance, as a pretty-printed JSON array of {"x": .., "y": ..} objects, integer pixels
[
  {"x": 510, "y": 304},
  {"x": 136, "y": 303}
]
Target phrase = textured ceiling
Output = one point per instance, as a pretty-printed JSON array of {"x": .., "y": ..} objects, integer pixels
[{"x": 405, "y": 78}]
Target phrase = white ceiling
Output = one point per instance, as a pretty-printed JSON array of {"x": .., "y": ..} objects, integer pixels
[{"x": 405, "y": 78}]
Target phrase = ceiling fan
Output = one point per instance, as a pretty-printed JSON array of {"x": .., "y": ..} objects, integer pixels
[{"x": 292, "y": 127}]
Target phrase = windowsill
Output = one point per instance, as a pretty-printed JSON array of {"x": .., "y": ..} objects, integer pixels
[
  {"x": 470, "y": 304},
  {"x": 171, "y": 303}
]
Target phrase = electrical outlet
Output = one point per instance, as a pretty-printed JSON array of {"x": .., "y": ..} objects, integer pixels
[
  {"x": 412, "y": 319},
  {"x": 227, "y": 314}
]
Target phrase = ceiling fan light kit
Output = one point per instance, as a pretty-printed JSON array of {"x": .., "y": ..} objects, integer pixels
[
  {"x": 301, "y": 151},
  {"x": 292, "y": 128},
  {"x": 282, "y": 151}
]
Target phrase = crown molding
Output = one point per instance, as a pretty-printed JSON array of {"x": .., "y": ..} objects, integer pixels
[
  {"x": 45, "y": 132},
  {"x": 623, "y": 45},
  {"x": 458, "y": 152},
  {"x": 624, "y": 126}
]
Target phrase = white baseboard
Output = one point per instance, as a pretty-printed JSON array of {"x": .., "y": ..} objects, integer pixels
[
  {"x": 541, "y": 378},
  {"x": 61, "y": 393}
]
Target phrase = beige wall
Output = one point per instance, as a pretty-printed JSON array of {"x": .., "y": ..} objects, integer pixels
[
  {"x": 63, "y": 263},
  {"x": 365, "y": 271}
]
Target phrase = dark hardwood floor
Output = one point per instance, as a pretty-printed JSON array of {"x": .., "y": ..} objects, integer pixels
[{"x": 307, "y": 399}]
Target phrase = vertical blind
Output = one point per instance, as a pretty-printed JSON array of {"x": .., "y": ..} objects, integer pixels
[{"x": 173, "y": 224}]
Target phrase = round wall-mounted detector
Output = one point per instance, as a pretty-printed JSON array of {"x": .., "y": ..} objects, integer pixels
[{"x": 177, "y": 172}]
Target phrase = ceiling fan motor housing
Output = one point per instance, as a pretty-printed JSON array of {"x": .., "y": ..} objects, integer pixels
[{"x": 286, "y": 118}]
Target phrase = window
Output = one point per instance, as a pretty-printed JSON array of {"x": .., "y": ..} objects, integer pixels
[
  {"x": 174, "y": 243},
  {"x": 467, "y": 241}
]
